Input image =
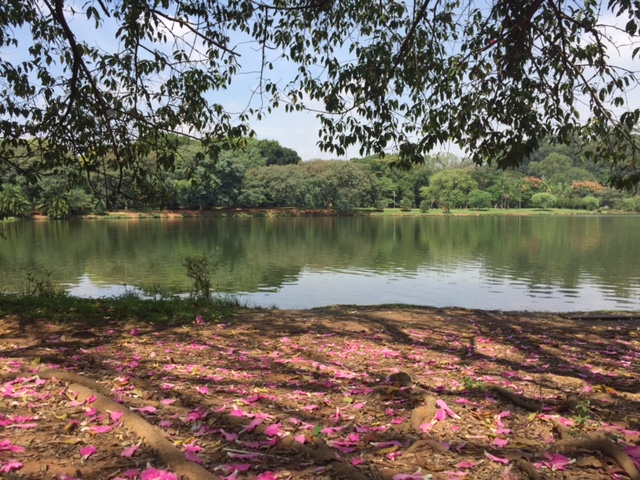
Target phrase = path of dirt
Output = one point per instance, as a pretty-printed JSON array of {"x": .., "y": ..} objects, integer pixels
[{"x": 313, "y": 395}]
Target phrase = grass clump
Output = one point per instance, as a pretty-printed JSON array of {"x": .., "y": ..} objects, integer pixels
[{"x": 125, "y": 309}]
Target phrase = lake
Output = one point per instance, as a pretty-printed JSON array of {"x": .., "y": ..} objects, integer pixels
[{"x": 490, "y": 262}]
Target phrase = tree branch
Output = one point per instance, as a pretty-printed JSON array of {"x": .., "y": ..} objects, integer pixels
[{"x": 194, "y": 30}]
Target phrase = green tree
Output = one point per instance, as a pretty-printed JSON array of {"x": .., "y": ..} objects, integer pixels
[
  {"x": 275, "y": 154},
  {"x": 13, "y": 203},
  {"x": 552, "y": 164},
  {"x": 497, "y": 78},
  {"x": 55, "y": 206},
  {"x": 543, "y": 200},
  {"x": 479, "y": 199},
  {"x": 449, "y": 188}
]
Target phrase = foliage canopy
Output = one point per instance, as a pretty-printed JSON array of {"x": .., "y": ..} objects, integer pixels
[{"x": 494, "y": 77}]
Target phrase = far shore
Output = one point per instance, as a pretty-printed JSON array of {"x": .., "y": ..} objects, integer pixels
[{"x": 361, "y": 212}]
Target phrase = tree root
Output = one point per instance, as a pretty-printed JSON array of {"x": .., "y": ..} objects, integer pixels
[
  {"x": 319, "y": 452},
  {"x": 71, "y": 377},
  {"x": 420, "y": 445},
  {"x": 423, "y": 413},
  {"x": 171, "y": 455},
  {"x": 87, "y": 382},
  {"x": 516, "y": 399},
  {"x": 528, "y": 468},
  {"x": 597, "y": 442}
]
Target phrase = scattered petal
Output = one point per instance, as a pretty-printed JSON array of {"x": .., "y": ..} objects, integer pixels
[
  {"x": 87, "y": 451},
  {"x": 128, "y": 452},
  {"x": 493, "y": 458}
]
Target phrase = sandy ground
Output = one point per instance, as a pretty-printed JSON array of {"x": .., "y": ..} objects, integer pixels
[{"x": 344, "y": 392}]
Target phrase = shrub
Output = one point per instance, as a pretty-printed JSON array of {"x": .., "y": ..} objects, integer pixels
[
  {"x": 406, "y": 205},
  {"x": 590, "y": 203},
  {"x": 100, "y": 208},
  {"x": 628, "y": 205},
  {"x": 40, "y": 285},
  {"x": 543, "y": 200},
  {"x": 199, "y": 269},
  {"x": 380, "y": 205},
  {"x": 13, "y": 203},
  {"x": 424, "y": 206}
]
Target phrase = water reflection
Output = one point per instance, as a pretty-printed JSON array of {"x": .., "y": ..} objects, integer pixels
[{"x": 542, "y": 263}]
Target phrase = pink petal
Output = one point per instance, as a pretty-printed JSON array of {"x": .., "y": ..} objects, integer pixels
[
  {"x": 426, "y": 427},
  {"x": 128, "y": 452},
  {"x": 7, "y": 446},
  {"x": 467, "y": 464},
  {"x": 633, "y": 451},
  {"x": 500, "y": 442},
  {"x": 153, "y": 474},
  {"x": 267, "y": 476},
  {"x": 149, "y": 410},
  {"x": 415, "y": 476},
  {"x": 229, "y": 437},
  {"x": 10, "y": 466},
  {"x": 115, "y": 416},
  {"x": 100, "y": 429},
  {"x": 272, "y": 430},
  {"x": 442, "y": 404},
  {"x": 253, "y": 424},
  {"x": 86, "y": 452},
  {"x": 556, "y": 461},
  {"x": 192, "y": 457},
  {"x": 496, "y": 459},
  {"x": 233, "y": 467}
]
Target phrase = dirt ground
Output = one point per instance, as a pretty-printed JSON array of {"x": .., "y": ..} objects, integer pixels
[{"x": 338, "y": 393}]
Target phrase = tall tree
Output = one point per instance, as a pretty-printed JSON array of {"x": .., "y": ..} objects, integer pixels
[{"x": 407, "y": 75}]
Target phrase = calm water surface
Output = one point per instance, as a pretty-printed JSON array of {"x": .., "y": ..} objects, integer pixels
[{"x": 524, "y": 263}]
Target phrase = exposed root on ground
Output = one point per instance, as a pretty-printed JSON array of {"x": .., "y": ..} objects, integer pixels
[
  {"x": 516, "y": 399},
  {"x": 173, "y": 457},
  {"x": 596, "y": 441}
]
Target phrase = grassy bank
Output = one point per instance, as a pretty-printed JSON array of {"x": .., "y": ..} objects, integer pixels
[{"x": 61, "y": 308}]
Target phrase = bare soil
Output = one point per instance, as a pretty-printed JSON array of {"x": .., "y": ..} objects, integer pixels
[{"x": 344, "y": 392}]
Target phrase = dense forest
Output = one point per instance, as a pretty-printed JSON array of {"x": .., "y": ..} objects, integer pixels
[{"x": 263, "y": 174}]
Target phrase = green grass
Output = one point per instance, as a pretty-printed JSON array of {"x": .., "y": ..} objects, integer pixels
[{"x": 128, "y": 308}]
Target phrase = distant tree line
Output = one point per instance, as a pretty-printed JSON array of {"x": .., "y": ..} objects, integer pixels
[{"x": 263, "y": 174}]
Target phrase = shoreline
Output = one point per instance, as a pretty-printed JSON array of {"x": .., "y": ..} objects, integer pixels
[
  {"x": 292, "y": 212},
  {"x": 67, "y": 309}
]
